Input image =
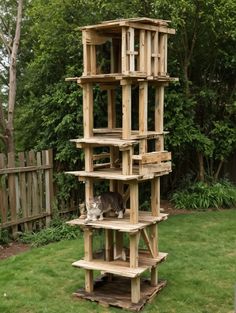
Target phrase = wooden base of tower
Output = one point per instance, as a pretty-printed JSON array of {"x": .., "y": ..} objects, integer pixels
[{"x": 117, "y": 292}]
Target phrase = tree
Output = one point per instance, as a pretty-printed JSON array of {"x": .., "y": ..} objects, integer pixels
[{"x": 9, "y": 51}]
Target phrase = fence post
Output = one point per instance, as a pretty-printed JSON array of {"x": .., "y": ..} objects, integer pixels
[
  {"x": 48, "y": 159},
  {"x": 12, "y": 192}
]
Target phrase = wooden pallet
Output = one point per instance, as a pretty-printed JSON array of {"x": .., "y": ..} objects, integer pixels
[{"x": 116, "y": 293}]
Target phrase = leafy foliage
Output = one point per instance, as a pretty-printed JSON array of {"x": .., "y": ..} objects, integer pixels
[
  {"x": 57, "y": 231},
  {"x": 203, "y": 196}
]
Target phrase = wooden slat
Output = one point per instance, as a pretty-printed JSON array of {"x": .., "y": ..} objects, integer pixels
[
  {"x": 155, "y": 168},
  {"x": 48, "y": 160},
  {"x": 124, "y": 68},
  {"x": 12, "y": 191},
  {"x": 159, "y": 116},
  {"x": 88, "y": 110},
  {"x": 40, "y": 181},
  {"x": 147, "y": 241},
  {"x": 117, "y": 175},
  {"x": 134, "y": 202},
  {"x": 134, "y": 242},
  {"x": 122, "y": 225},
  {"x": 153, "y": 157},
  {"x": 3, "y": 192},
  {"x": 22, "y": 182},
  {"x": 103, "y": 141},
  {"x": 155, "y": 196},
  {"x": 126, "y": 111},
  {"x": 135, "y": 290},
  {"x": 111, "y": 109},
  {"x": 93, "y": 59},
  {"x": 149, "y": 53},
  {"x": 23, "y": 169},
  {"x": 120, "y": 268},
  {"x": 131, "y": 51},
  {"x": 35, "y": 200},
  {"x": 143, "y": 115}
]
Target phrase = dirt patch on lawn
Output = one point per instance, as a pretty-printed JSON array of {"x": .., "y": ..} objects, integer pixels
[
  {"x": 167, "y": 207},
  {"x": 11, "y": 249}
]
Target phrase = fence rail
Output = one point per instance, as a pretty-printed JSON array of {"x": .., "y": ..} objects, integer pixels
[{"x": 26, "y": 189}]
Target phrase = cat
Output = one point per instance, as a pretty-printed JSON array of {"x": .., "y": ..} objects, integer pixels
[{"x": 106, "y": 202}]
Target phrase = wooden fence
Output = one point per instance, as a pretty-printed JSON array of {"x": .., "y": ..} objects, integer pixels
[{"x": 26, "y": 190}]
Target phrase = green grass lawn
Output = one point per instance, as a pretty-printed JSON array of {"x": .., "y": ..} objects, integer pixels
[{"x": 200, "y": 270}]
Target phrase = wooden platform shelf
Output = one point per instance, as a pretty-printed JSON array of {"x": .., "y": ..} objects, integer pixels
[
  {"x": 122, "y": 225},
  {"x": 121, "y": 268},
  {"x": 117, "y": 293},
  {"x": 148, "y": 172}
]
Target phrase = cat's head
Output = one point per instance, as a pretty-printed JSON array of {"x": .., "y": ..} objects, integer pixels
[{"x": 93, "y": 203}]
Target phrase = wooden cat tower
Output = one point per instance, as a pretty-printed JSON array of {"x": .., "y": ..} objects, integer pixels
[{"x": 135, "y": 54}]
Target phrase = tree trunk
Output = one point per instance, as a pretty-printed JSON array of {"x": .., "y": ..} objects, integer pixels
[
  {"x": 8, "y": 126},
  {"x": 201, "y": 173},
  {"x": 218, "y": 170}
]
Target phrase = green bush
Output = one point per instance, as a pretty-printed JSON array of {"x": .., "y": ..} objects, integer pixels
[
  {"x": 4, "y": 237},
  {"x": 205, "y": 195},
  {"x": 57, "y": 231}
]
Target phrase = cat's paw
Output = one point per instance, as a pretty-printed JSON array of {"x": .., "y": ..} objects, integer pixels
[
  {"x": 120, "y": 215},
  {"x": 101, "y": 218}
]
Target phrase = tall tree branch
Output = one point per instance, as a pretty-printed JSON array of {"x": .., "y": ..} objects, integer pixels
[
  {"x": 6, "y": 44},
  {"x": 12, "y": 77}
]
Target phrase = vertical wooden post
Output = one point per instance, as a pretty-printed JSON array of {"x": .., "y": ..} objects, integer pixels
[
  {"x": 154, "y": 244},
  {"x": 111, "y": 108},
  {"x": 135, "y": 289},
  {"x": 131, "y": 50},
  {"x": 88, "y": 110},
  {"x": 93, "y": 59},
  {"x": 12, "y": 191},
  {"x": 108, "y": 244},
  {"x": 49, "y": 184},
  {"x": 159, "y": 116},
  {"x": 85, "y": 54},
  {"x": 126, "y": 110},
  {"x": 156, "y": 54},
  {"x": 127, "y": 162},
  {"x": 162, "y": 51},
  {"x": 124, "y": 59},
  {"x": 155, "y": 196},
  {"x": 142, "y": 57},
  {"x": 88, "y": 256},
  {"x": 143, "y": 115},
  {"x": 135, "y": 282},
  {"x": 149, "y": 53},
  {"x": 134, "y": 202},
  {"x": 3, "y": 192}
]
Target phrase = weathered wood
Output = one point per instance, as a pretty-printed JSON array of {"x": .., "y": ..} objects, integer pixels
[
  {"x": 88, "y": 256},
  {"x": 159, "y": 116},
  {"x": 49, "y": 193},
  {"x": 124, "y": 60},
  {"x": 135, "y": 290},
  {"x": 22, "y": 182},
  {"x": 153, "y": 157},
  {"x": 119, "y": 291},
  {"x": 29, "y": 192},
  {"x": 131, "y": 51},
  {"x": 143, "y": 115},
  {"x": 126, "y": 111},
  {"x": 119, "y": 267},
  {"x": 3, "y": 192},
  {"x": 134, "y": 202},
  {"x": 111, "y": 108},
  {"x": 142, "y": 63},
  {"x": 149, "y": 53},
  {"x": 12, "y": 191},
  {"x": 88, "y": 110},
  {"x": 147, "y": 241},
  {"x": 134, "y": 241},
  {"x": 122, "y": 225},
  {"x": 109, "y": 245},
  {"x": 155, "y": 196}
]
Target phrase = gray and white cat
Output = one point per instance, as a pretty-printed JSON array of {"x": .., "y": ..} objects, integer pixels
[{"x": 106, "y": 202}]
